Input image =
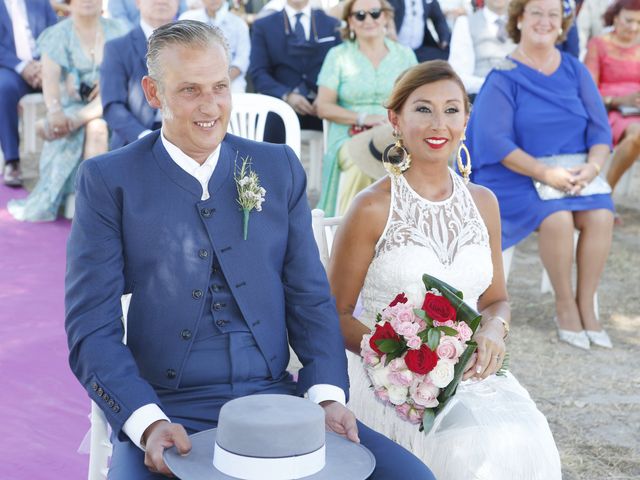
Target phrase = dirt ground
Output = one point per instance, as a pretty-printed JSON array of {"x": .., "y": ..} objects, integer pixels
[{"x": 591, "y": 398}]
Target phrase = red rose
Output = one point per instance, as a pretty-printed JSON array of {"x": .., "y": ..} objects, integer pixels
[
  {"x": 383, "y": 332},
  {"x": 421, "y": 361},
  {"x": 400, "y": 298},
  {"x": 438, "y": 308}
]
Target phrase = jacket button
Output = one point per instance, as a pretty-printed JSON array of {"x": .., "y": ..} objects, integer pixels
[
  {"x": 217, "y": 306},
  {"x": 171, "y": 373},
  {"x": 196, "y": 294},
  {"x": 207, "y": 212},
  {"x": 111, "y": 403},
  {"x": 185, "y": 334},
  {"x": 94, "y": 386},
  {"x": 221, "y": 322},
  {"x": 100, "y": 391},
  {"x": 105, "y": 397},
  {"x": 203, "y": 253},
  {"x": 116, "y": 408}
]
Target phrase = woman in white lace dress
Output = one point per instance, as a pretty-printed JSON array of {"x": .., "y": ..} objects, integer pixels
[{"x": 427, "y": 220}]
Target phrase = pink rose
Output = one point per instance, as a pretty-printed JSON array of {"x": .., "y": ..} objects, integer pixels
[
  {"x": 399, "y": 374},
  {"x": 406, "y": 329},
  {"x": 464, "y": 332},
  {"x": 414, "y": 342},
  {"x": 450, "y": 348},
  {"x": 409, "y": 413},
  {"x": 381, "y": 394},
  {"x": 448, "y": 323},
  {"x": 425, "y": 393}
]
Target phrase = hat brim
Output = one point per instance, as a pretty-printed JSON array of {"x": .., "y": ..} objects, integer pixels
[
  {"x": 361, "y": 154},
  {"x": 344, "y": 459}
]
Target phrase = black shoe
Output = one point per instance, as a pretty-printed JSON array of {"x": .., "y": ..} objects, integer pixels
[{"x": 12, "y": 174}]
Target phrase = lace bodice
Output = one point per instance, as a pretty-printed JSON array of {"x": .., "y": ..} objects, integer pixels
[{"x": 446, "y": 239}]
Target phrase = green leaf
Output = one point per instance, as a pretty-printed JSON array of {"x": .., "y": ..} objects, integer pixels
[
  {"x": 423, "y": 316},
  {"x": 458, "y": 371},
  {"x": 504, "y": 368},
  {"x": 386, "y": 345},
  {"x": 433, "y": 282},
  {"x": 427, "y": 420},
  {"x": 379, "y": 318},
  {"x": 392, "y": 356},
  {"x": 433, "y": 338},
  {"x": 452, "y": 332}
]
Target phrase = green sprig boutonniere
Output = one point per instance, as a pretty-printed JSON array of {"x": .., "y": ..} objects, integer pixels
[{"x": 250, "y": 193}]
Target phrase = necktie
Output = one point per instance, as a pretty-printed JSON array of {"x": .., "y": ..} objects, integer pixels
[
  {"x": 20, "y": 31},
  {"x": 502, "y": 31},
  {"x": 298, "y": 30}
]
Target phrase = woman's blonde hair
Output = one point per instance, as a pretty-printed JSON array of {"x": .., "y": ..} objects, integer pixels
[
  {"x": 386, "y": 7},
  {"x": 516, "y": 10}
]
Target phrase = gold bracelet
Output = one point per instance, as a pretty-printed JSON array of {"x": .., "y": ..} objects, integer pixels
[
  {"x": 505, "y": 325},
  {"x": 598, "y": 167}
]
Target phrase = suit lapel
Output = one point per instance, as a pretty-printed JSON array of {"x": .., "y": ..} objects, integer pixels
[{"x": 139, "y": 42}]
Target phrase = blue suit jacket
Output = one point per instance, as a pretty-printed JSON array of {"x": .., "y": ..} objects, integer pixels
[
  {"x": 432, "y": 11},
  {"x": 40, "y": 16},
  {"x": 138, "y": 228},
  {"x": 124, "y": 106},
  {"x": 273, "y": 70}
]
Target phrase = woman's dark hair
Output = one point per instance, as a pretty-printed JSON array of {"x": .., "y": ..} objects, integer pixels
[{"x": 616, "y": 7}]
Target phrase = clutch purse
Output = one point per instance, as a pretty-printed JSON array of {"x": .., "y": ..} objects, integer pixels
[{"x": 597, "y": 186}]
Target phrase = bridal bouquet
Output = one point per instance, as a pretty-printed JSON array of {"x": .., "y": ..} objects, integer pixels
[{"x": 415, "y": 357}]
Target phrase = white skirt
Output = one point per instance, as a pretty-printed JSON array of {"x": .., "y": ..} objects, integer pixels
[{"x": 489, "y": 430}]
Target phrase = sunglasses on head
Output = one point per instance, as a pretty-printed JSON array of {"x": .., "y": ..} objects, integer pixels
[{"x": 361, "y": 15}]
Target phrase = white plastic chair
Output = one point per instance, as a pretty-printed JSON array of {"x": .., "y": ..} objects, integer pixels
[
  {"x": 29, "y": 104},
  {"x": 315, "y": 140},
  {"x": 324, "y": 229},
  {"x": 249, "y": 115}
]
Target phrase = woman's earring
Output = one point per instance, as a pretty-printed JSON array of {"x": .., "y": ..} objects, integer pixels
[
  {"x": 465, "y": 170},
  {"x": 560, "y": 32},
  {"x": 519, "y": 26},
  {"x": 352, "y": 35},
  {"x": 395, "y": 157}
]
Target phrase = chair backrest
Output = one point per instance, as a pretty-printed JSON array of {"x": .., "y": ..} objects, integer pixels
[
  {"x": 324, "y": 229},
  {"x": 249, "y": 115}
]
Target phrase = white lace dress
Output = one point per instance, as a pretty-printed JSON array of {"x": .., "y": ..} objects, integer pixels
[{"x": 491, "y": 429}]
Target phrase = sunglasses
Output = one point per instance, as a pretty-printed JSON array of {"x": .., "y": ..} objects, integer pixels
[{"x": 361, "y": 15}]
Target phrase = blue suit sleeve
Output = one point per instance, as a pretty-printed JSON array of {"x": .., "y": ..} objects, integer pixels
[
  {"x": 312, "y": 320},
  {"x": 114, "y": 88},
  {"x": 490, "y": 134},
  {"x": 261, "y": 65},
  {"x": 598, "y": 129},
  {"x": 94, "y": 284}
]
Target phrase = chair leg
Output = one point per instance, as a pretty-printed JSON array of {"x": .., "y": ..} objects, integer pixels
[{"x": 507, "y": 257}]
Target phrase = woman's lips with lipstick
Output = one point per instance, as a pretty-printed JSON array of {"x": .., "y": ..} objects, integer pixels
[{"x": 436, "y": 142}]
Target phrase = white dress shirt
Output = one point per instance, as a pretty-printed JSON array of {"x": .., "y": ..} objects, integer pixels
[
  {"x": 22, "y": 35},
  {"x": 462, "y": 56},
  {"x": 411, "y": 32},
  {"x": 144, "y": 416},
  {"x": 305, "y": 18}
]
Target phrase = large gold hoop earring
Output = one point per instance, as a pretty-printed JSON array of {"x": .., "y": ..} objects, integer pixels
[
  {"x": 395, "y": 157},
  {"x": 465, "y": 170}
]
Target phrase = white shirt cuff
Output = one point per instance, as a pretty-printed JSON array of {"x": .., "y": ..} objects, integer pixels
[
  {"x": 21, "y": 66},
  {"x": 324, "y": 391},
  {"x": 140, "y": 419},
  {"x": 144, "y": 133}
]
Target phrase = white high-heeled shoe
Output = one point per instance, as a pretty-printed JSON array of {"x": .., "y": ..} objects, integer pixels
[
  {"x": 599, "y": 338},
  {"x": 575, "y": 339}
]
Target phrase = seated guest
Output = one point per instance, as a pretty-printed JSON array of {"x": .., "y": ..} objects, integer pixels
[
  {"x": 480, "y": 42},
  {"x": 73, "y": 129},
  {"x": 355, "y": 80},
  {"x": 126, "y": 111},
  {"x": 127, "y": 11},
  {"x": 216, "y": 13},
  {"x": 614, "y": 62},
  {"x": 21, "y": 21},
  {"x": 590, "y": 21},
  {"x": 548, "y": 143},
  {"x": 411, "y": 24},
  {"x": 287, "y": 51}
]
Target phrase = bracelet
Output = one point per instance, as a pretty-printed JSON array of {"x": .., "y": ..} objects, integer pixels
[
  {"x": 361, "y": 118},
  {"x": 505, "y": 325},
  {"x": 597, "y": 167}
]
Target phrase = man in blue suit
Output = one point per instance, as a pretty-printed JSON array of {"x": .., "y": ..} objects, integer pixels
[
  {"x": 287, "y": 51},
  {"x": 128, "y": 11},
  {"x": 21, "y": 21},
  {"x": 212, "y": 309},
  {"x": 411, "y": 26},
  {"x": 125, "y": 109}
]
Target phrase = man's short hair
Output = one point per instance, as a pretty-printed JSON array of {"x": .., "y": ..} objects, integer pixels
[{"x": 188, "y": 33}]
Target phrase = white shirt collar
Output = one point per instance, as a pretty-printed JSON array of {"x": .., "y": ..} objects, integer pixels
[
  {"x": 202, "y": 173},
  {"x": 291, "y": 13},
  {"x": 146, "y": 29}
]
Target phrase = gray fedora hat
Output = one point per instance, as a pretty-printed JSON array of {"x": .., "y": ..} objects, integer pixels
[
  {"x": 271, "y": 437},
  {"x": 365, "y": 149}
]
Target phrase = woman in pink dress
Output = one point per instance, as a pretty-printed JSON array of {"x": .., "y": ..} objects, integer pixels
[{"x": 614, "y": 61}]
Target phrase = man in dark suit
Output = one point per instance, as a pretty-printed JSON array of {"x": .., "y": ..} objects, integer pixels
[
  {"x": 411, "y": 27},
  {"x": 21, "y": 22},
  {"x": 287, "y": 51},
  {"x": 126, "y": 111},
  {"x": 212, "y": 310}
]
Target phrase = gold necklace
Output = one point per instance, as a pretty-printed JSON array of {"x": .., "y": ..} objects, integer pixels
[{"x": 534, "y": 64}]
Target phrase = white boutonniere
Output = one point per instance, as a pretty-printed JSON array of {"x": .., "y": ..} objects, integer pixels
[{"x": 250, "y": 193}]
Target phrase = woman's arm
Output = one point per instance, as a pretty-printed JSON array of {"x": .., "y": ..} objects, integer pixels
[
  {"x": 558, "y": 177},
  {"x": 56, "y": 119},
  {"x": 352, "y": 253},
  {"x": 328, "y": 109}
]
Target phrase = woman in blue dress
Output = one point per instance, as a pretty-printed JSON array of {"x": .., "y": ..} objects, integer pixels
[
  {"x": 543, "y": 103},
  {"x": 73, "y": 129}
]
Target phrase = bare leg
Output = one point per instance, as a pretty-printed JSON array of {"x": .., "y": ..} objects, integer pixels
[
  {"x": 625, "y": 154},
  {"x": 96, "y": 140},
  {"x": 596, "y": 227},
  {"x": 555, "y": 242}
]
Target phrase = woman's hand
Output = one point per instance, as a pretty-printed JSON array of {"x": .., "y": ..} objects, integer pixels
[
  {"x": 560, "y": 178},
  {"x": 584, "y": 175},
  {"x": 371, "y": 120},
  {"x": 631, "y": 100},
  {"x": 58, "y": 125},
  {"x": 490, "y": 352}
]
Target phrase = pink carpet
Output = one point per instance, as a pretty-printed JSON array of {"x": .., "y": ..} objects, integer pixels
[{"x": 43, "y": 409}]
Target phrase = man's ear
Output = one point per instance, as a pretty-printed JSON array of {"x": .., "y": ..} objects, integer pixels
[{"x": 151, "y": 92}]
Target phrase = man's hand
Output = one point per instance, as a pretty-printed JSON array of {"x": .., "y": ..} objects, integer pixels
[
  {"x": 161, "y": 435},
  {"x": 341, "y": 420},
  {"x": 32, "y": 74},
  {"x": 300, "y": 104}
]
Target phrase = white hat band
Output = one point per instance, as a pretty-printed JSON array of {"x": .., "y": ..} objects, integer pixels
[{"x": 253, "y": 468}]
